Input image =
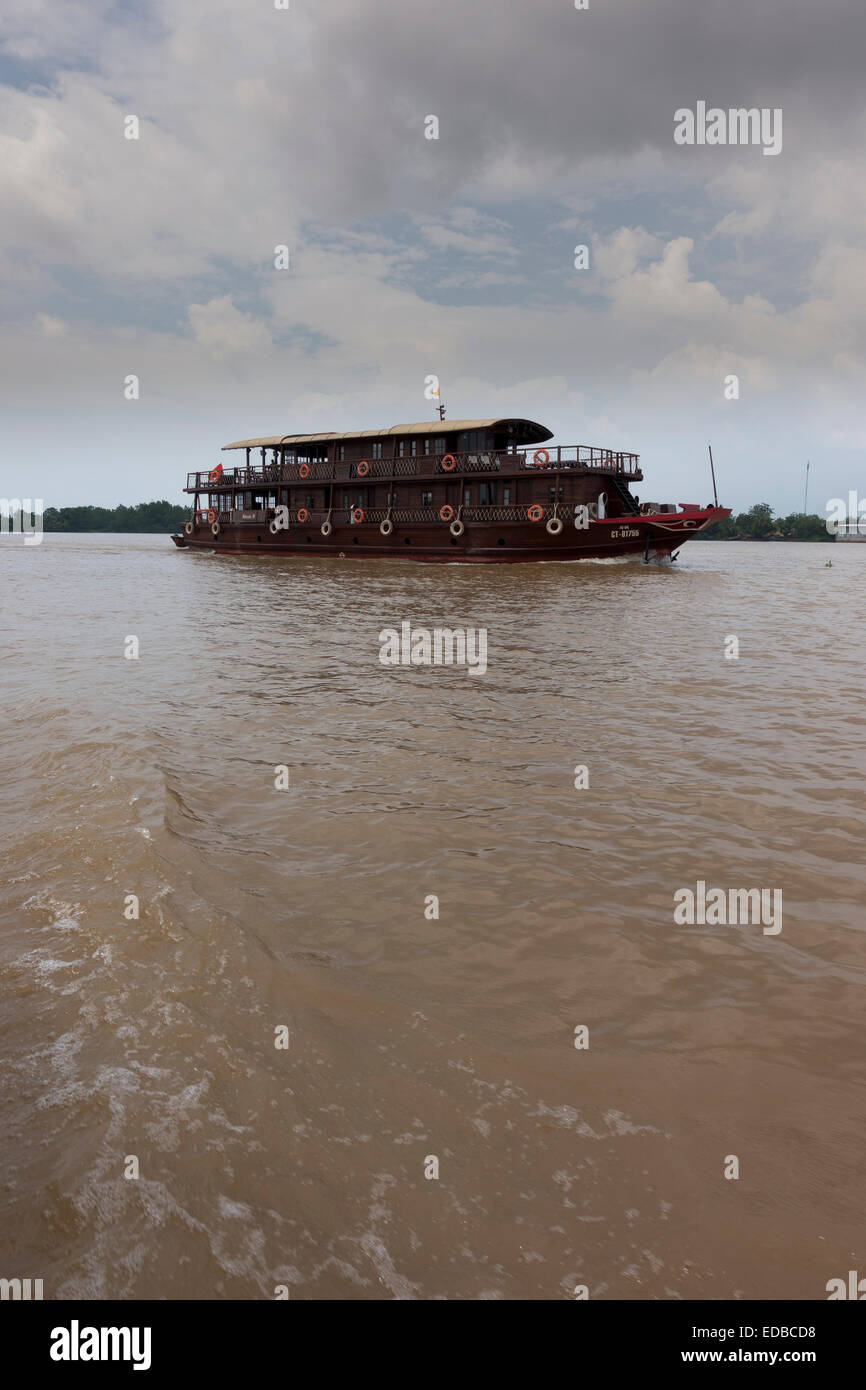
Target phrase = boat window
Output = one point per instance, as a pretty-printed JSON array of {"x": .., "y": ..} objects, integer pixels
[
  {"x": 341, "y": 452},
  {"x": 391, "y": 499},
  {"x": 426, "y": 499},
  {"x": 467, "y": 496},
  {"x": 427, "y": 444},
  {"x": 472, "y": 441},
  {"x": 377, "y": 451},
  {"x": 401, "y": 447},
  {"x": 506, "y": 497},
  {"x": 312, "y": 453},
  {"x": 414, "y": 447},
  {"x": 439, "y": 445},
  {"x": 551, "y": 493},
  {"x": 487, "y": 493}
]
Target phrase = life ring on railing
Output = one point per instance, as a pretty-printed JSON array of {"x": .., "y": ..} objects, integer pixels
[
  {"x": 554, "y": 526},
  {"x": 386, "y": 526},
  {"x": 446, "y": 513},
  {"x": 188, "y": 527},
  {"x": 363, "y": 468},
  {"x": 538, "y": 455},
  {"x": 304, "y": 470},
  {"x": 303, "y": 515},
  {"x": 535, "y": 512},
  {"x": 326, "y": 528},
  {"x": 457, "y": 528},
  {"x": 215, "y": 474},
  {"x": 358, "y": 515},
  {"x": 449, "y": 466},
  {"x": 215, "y": 528},
  {"x": 211, "y": 515}
]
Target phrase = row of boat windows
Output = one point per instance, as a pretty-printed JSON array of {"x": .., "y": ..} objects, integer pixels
[
  {"x": 468, "y": 442},
  {"x": 406, "y": 448},
  {"x": 489, "y": 494}
]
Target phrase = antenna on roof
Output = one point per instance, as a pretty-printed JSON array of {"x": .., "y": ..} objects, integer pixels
[{"x": 441, "y": 409}]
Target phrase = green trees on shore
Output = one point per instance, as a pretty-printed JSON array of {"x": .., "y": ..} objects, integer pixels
[
  {"x": 144, "y": 516},
  {"x": 759, "y": 524}
]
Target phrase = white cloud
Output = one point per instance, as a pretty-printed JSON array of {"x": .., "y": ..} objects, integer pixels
[
  {"x": 49, "y": 326},
  {"x": 224, "y": 332}
]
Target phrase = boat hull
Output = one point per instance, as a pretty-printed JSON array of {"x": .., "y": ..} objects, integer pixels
[{"x": 654, "y": 536}]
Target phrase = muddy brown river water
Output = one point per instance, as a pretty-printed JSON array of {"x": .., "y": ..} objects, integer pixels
[{"x": 419, "y": 1042}]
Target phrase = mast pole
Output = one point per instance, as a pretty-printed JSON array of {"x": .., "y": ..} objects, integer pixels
[
  {"x": 806, "y": 493},
  {"x": 713, "y": 475}
]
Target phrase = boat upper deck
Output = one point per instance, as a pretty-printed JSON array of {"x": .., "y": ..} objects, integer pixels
[{"x": 426, "y": 450}]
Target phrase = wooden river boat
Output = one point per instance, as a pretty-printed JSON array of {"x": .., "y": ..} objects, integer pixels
[{"x": 477, "y": 491}]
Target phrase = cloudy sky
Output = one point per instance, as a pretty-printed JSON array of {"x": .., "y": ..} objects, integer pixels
[{"x": 305, "y": 127}]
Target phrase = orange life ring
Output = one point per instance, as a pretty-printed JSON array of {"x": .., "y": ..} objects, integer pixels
[
  {"x": 304, "y": 470},
  {"x": 446, "y": 513},
  {"x": 211, "y": 515},
  {"x": 448, "y": 466},
  {"x": 303, "y": 514},
  {"x": 214, "y": 475},
  {"x": 358, "y": 514},
  {"x": 363, "y": 468},
  {"x": 537, "y": 455},
  {"x": 535, "y": 512}
]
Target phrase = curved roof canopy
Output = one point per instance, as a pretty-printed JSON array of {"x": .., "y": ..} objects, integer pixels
[{"x": 523, "y": 431}]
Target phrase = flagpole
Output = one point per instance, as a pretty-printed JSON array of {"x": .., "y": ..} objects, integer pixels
[{"x": 806, "y": 493}]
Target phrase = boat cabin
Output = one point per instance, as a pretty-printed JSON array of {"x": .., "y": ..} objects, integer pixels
[{"x": 465, "y": 464}]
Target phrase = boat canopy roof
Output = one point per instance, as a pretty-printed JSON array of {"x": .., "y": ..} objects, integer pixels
[{"x": 526, "y": 431}]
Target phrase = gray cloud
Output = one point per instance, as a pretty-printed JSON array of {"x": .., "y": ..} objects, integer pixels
[{"x": 305, "y": 127}]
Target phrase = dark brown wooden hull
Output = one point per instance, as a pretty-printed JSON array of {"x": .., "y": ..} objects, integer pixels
[{"x": 481, "y": 542}]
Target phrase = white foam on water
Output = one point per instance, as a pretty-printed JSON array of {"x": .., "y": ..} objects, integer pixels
[
  {"x": 43, "y": 964},
  {"x": 239, "y": 1211},
  {"x": 397, "y": 1284}
]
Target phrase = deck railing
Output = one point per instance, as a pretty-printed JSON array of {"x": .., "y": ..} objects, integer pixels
[
  {"x": 562, "y": 457},
  {"x": 344, "y": 516},
  {"x": 570, "y": 456}
]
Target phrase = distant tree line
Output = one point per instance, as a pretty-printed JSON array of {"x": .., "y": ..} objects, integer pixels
[
  {"x": 759, "y": 524},
  {"x": 144, "y": 516}
]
